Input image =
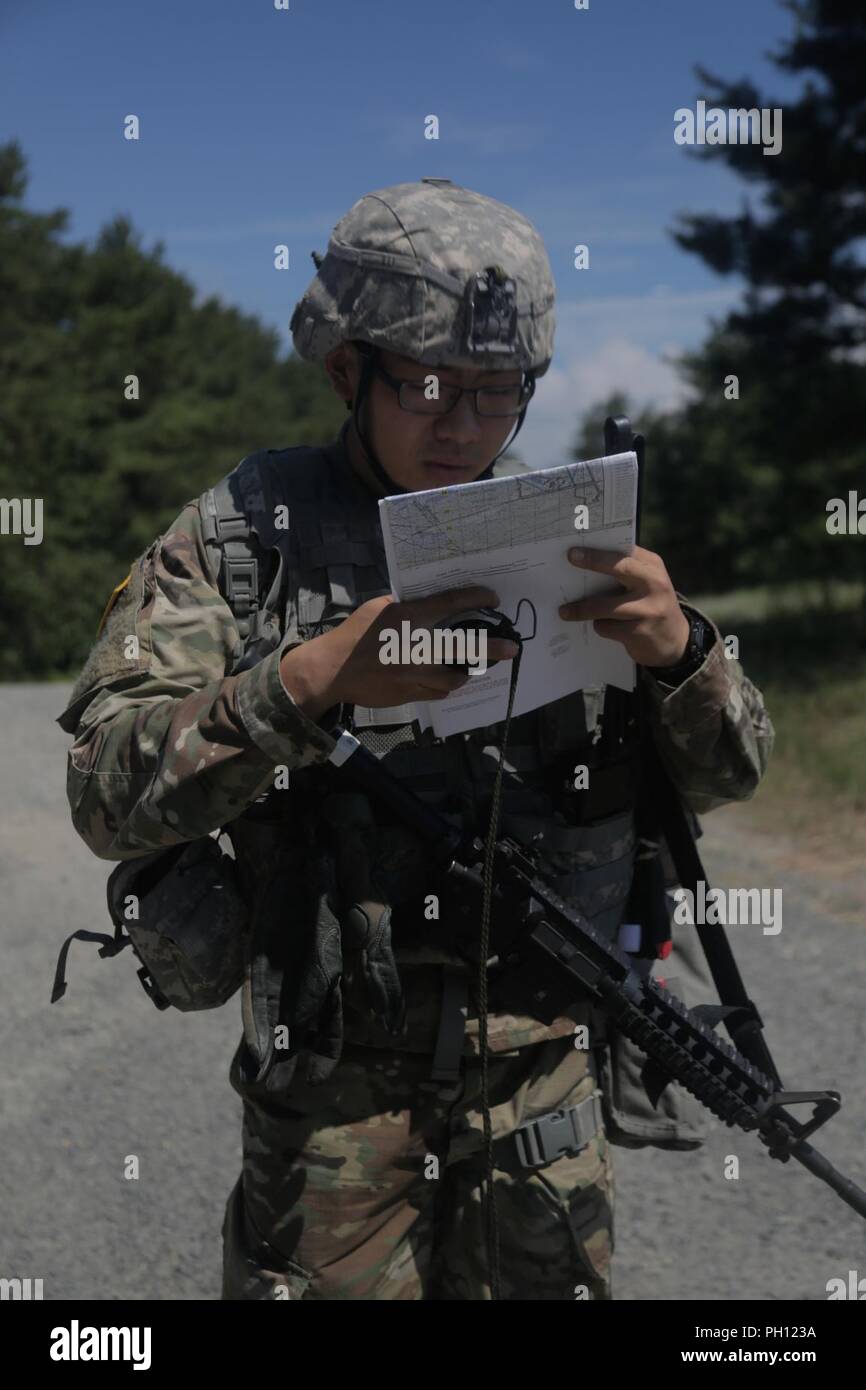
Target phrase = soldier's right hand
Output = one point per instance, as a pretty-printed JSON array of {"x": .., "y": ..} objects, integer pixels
[{"x": 344, "y": 666}]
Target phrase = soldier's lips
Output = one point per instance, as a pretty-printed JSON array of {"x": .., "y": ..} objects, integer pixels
[{"x": 449, "y": 467}]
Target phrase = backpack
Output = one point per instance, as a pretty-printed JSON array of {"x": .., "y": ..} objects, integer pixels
[{"x": 181, "y": 907}]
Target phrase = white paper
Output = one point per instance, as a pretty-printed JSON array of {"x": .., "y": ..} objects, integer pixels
[{"x": 513, "y": 534}]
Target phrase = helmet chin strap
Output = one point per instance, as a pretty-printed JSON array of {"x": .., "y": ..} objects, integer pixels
[{"x": 385, "y": 480}]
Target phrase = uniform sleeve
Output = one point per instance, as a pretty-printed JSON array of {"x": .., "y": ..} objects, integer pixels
[
  {"x": 713, "y": 732},
  {"x": 168, "y": 747}
]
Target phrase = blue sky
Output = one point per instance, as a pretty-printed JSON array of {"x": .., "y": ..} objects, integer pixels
[{"x": 261, "y": 126}]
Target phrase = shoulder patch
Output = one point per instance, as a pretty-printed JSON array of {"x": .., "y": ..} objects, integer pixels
[
  {"x": 115, "y": 595},
  {"x": 125, "y": 615}
]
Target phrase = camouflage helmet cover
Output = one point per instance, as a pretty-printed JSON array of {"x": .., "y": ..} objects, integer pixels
[{"x": 435, "y": 272}]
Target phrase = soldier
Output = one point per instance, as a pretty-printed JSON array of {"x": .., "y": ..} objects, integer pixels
[{"x": 362, "y": 1138}]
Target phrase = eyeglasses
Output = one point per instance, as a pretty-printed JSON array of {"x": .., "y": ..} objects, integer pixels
[{"x": 496, "y": 402}]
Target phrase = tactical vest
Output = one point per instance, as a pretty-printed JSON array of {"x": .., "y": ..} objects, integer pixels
[{"x": 297, "y": 544}]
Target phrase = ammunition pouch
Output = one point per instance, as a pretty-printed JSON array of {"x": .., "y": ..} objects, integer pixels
[
  {"x": 641, "y": 1105},
  {"x": 321, "y": 934},
  {"x": 186, "y": 918},
  {"x": 365, "y": 908},
  {"x": 292, "y": 999}
]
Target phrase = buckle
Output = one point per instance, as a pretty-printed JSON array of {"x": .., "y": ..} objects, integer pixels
[
  {"x": 242, "y": 584},
  {"x": 562, "y": 1132},
  {"x": 152, "y": 989}
]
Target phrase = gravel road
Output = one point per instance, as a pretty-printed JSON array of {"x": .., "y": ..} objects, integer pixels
[{"x": 102, "y": 1075}]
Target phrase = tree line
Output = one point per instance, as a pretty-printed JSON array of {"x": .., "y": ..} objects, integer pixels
[{"x": 739, "y": 477}]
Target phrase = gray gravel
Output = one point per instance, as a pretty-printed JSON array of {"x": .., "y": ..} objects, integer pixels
[{"x": 102, "y": 1075}]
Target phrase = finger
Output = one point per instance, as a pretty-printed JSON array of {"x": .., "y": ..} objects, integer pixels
[
  {"x": 497, "y": 649},
  {"x": 452, "y": 601},
  {"x": 438, "y": 680},
  {"x": 617, "y": 632},
  {"x": 628, "y": 569},
  {"x": 583, "y": 610},
  {"x": 501, "y": 649},
  {"x": 382, "y": 601}
]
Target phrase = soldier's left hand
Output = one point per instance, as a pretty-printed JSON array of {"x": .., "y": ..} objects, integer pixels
[{"x": 646, "y": 616}]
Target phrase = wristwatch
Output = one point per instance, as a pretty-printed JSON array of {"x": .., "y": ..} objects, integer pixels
[{"x": 701, "y": 641}]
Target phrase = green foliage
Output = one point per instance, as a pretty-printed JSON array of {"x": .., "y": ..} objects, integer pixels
[
  {"x": 737, "y": 489},
  {"x": 75, "y": 321},
  {"x": 796, "y": 644}
]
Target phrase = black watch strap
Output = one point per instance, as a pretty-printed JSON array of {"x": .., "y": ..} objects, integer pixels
[{"x": 701, "y": 639}]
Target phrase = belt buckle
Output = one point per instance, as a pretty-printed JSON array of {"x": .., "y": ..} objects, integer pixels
[{"x": 541, "y": 1141}]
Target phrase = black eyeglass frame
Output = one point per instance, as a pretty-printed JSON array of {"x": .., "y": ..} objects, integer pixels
[{"x": 527, "y": 388}]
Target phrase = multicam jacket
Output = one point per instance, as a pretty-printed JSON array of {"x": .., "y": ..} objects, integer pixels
[{"x": 170, "y": 745}]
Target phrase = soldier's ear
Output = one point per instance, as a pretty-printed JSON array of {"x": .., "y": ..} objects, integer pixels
[{"x": 339, "y": 366}]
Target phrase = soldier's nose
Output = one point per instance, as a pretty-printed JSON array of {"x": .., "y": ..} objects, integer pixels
[{"x": 461, "y": 425}]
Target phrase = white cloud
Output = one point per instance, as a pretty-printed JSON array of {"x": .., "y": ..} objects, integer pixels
[
  {"x": 609, "y": 344},
  {"x": 681, "y": 315}
]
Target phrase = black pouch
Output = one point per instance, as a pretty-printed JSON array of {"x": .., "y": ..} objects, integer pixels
[
  {"x": 187, "y": 921},
  {"x": 635, "y": 1114}
]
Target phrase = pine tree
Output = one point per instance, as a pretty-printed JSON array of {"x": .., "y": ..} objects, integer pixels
[
  {"x": 764, "y": 466},
  {"x": 76, "y": 322}
]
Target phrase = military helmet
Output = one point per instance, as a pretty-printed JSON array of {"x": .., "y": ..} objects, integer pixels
[{"x": 435, "y": 272}]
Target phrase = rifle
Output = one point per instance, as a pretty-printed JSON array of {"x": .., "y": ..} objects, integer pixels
[{"x": 551, "y": 957}]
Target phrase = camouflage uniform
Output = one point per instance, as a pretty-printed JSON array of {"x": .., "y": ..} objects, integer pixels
[
  {"x": 341, "y": 1178},
  {"x": 365, "y": 1186}
]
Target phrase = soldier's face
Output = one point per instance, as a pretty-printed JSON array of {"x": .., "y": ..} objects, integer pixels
[{"x": 425, "y": 451}]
